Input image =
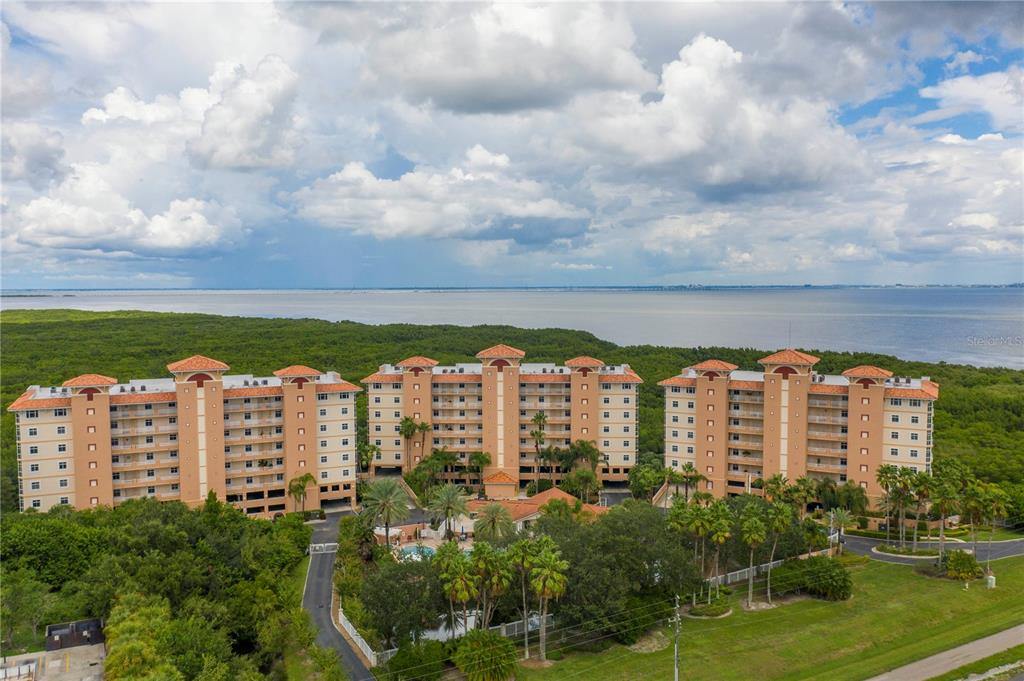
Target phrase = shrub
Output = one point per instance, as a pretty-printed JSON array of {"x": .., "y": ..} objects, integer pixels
[
  {"x": 862, "y": 522},
  {"x": 485, "y": 656},
  {"x": 715, "y": 608},
  {"x": 962, "y": 566},
  {"x": 555, "y": 655},
  {"x": 423, "y": 660},
  {"x": 819, "y": 576},
  {"x": 896, "y": 550},
  {"x": 537, "y": 486},
  {"x": 648, "y": 612}
]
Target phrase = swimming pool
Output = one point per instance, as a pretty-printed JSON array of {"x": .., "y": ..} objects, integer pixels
[{"x": 415, "y": 552}]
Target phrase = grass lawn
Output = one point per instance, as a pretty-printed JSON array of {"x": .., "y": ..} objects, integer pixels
[
  {"x": 895, "y": 617},
  {"x": 984, "y": 664}
]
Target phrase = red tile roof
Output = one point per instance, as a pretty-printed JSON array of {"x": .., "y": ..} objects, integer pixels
[
  {"x": 746, "y": 385},
  {"x": 340, "y": 387},
  {"x": 88, "y": 380},
  {"x": 382, "y": 378},
  {"x": 253, "y": 392},
  {"x": 867, "y": 371},
  {"x": 821, "y": 389},
  {"x": 518, "y": 509},
  {"x": 25, "y": 401},
  {"x": 679, "y": 382},
  {"x": 789, "y": 356},
  {"x": 500, "y": 351},
  {"x": 296, "y": 370},
  {"x": 629, "y": 376},
  {"x": 713, "y": 365},
  {"x": 417, "y": 361},
  {"x": 500, "y": 478},
  {"x": 197, "y": 363},
  {"x": 456, "y": 378},
  {"x": 545, "y": 378},
  {"x": 929, "y": 390},
  {"x": 584, "y": 361}
]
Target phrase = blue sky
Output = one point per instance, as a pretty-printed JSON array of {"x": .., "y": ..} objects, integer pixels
[{"x": 340, "y": 145}]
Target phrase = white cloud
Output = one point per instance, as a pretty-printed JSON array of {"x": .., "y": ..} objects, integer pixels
[
  {"x": 32, "y": 153},
  {"x": 1000, "y": 94},
  {"x": 579, "y": 266},
  {"x": 959, "y": 62},
  {"x": 481, "y": 194}
]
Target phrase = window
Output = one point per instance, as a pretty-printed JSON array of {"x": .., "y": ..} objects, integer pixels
[
  {"x": 323, "y": 427},
  {"x": 33, "y": 450},
  {"x": 61, "y": 430},
  {"x": 32, "y": 432},
  {"x": 913, "y": 453},
  {"x": 34, "y": 485},
  {"x": 62, "y": 448},
  {"x": 896, "y": 402},
  {"x": 63, "y": 482},
  {"x": 894, "y": 451},
  {"x": 894, "y": 435},
  {"x": 32, "y": 414},
  {"x": 914, "y": 419},
  {"x": 913, "y": 436},
  {"x": 323, "y": 475},
  {"x": 323, "y": 412},
  {"x": 33, "y": 468},
  {"x": 35, "y": 503},
  {"x": 895, "y": 418},
  {"x": 60, "y": 412},
  {"x": 915, "y": 403},
  {"x": 62, "y": 465}
]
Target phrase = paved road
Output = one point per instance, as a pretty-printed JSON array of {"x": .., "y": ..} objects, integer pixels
[
  {"x": 951, "y": 659},
  {"x": 317, "y": 599},
  {"x": 863, "y": 545}
]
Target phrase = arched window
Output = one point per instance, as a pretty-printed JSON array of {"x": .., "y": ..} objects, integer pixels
[
  {"x": 199, "y": 379},
  {"x": 300, "y": 381},
  {"x": 711, "y": 374},
  {"x": 89, "y": 392},
  {"x": 500, "y": 363},
  {"x": 865, "y": 382},
  {"x": 785, "y": 371}
]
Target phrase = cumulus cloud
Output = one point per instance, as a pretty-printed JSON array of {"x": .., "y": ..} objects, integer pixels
[
  {"x": 481, "y": 195},
  {"x": 715, "y": 127},
  {"x": 503, "y": 57},
  {"x": 1000, "y": 94},
  {"x": 579, "y": 266},
  {"x": 32, "y": 153}
]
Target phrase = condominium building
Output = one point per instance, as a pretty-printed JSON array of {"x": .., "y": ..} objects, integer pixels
[
  {"x": 737, "y": 426},
  {"x": 489, "y": 406},
  {"x": 94, "y": 441}
]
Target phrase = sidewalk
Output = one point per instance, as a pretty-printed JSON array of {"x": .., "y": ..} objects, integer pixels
[{"x": 933, "y": 666}]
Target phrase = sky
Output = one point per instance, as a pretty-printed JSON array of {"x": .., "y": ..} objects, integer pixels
[{"x": 264, "y": 145}]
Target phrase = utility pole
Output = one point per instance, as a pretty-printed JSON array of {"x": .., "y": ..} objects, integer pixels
[
  {"x": 831, "y": 516},
  {"x": 678, "y": 620}
]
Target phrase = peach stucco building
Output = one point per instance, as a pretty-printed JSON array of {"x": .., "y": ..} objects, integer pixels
[
  {"x": 94, "y": 441},
  {"x": 738, "y": 426},
  {"x": 489, "y": 405}
]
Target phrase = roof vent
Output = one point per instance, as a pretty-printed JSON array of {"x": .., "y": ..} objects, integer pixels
[
  {"x": 264, "y": 381},
  {"x": 133, "y": 389}
]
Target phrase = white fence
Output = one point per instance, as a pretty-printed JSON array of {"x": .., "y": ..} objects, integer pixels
[
  {"x": 323, "y": 548},
  {"x": 26, "y": 670},
  {"x": 741, "y": 575},
  {"x": 508, "y": 630}
]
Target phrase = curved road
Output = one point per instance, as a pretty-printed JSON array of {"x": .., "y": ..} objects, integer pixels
[
  {"x": 316, "y": 599},
  {"x": 863, "y": 546}
]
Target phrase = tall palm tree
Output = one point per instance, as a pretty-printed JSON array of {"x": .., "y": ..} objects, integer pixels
[
  {"x": 691, "y": 478},
  {"x": 478, "y": 461},
  {"x": 853, "y": 497},
  {"x": 540, "y": 423},
  {"x": 493, "y": 524},
  {"x": 297, "y": 489},
  {"x": 946, "y": 500},
  {"x": 904, "y": 495},
  {"x": 522, "y": 555},
  {"x": 886, "y": 478},
  {"x": 551, "y": 456},
  {"x": 422, "y": 428},
  {"x": 972, "y": 504},
  {"x": 384, "y": 500},
  {"x": 407, "y": 428},
  {"x": 448, "y": 502},
  {"x": 996, "y": 506},
  {"x": 922, "y": 486},
  {"x": 779, "y": 517},
  {"x": 443, "y": 461},
  {"x": 803, "y": 492},
  {"x": 367, "y": 452},
  {"x": 493, "y": 571},
  {"x": 460, "y": 584},
  {"x": 754, "y": 534},
  {"x": 721, "y": 529},
  {"x": 548, "y": 579},
  {"x": 841, "y": 519}
]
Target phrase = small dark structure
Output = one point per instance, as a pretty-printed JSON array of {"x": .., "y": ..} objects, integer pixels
[{"x": 71, "y": 634}]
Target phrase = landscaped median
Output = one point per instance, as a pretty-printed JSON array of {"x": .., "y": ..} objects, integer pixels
[
  {"x": 907, "y": 552},
  {"x": 896, "y": 616}
]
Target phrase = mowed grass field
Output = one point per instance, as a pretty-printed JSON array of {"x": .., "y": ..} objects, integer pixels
[{"x": 895, "y": 617}]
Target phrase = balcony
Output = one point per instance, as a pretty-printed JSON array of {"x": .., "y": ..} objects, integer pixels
[
  {"x": 145, "y": 430},
  {"x": 745, "y": 414},
  {"x": 747, "y": 399},
  {"x": 132, "y": 483},
  {"x": 143, "y": 464},
  {"x": 821, "y": 418},
  {"x": 749, "y": 430},
  {"x": 144, "y": 447},
  {"x": 123, "y": 414},
  {"x": 247, "y": 423},
  {"x": 253, "y": 439},
  {"x": 826, "y": 467},
  {"x": 827, "y": 450},
  {"x": 745, "y": 443},
  {"x": 827, "y": 404},
  {"x": 826, "y": 435}
]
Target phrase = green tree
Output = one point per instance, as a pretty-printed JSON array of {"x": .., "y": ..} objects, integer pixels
[
  {"x": 407, "y": 428},
  {"x": 995, "y": 504},
  {"x": 297, "y": 489},
  {"x": 25, "y": 601},
  {"x": 778, "y": 517},
  {"x": 402, "y": 599},
  {"x": 584, "y": 450},
  {"x": 582, "y": 483},
  {"x": 522, "y": 555},
  {"x": 841, "y": 519},
  {"x": 754, "y": 533},
  {"x": 539, "y": 435},
  {"x": 886, "y": 477},
  {"x": 459, "y": 583},
  {"x": 721, "y": 530},
  {"x": 493, "y": 524},
  {"x": 493, "y": 571},
  {"x": 367, "y": 453},
  {"x": 477, "y": 462},
  {"x": 485, "y": 656},
  {"x": 644, "y": 481},
  {"x": 853, "y": 497},
  {"x": 921, "y": 486},
  {"x": 385, "y": 501},
  {"x": 691, "y": 477},
  {"x": 448, "y": 503},
  {"x": 548, "y": 580}
]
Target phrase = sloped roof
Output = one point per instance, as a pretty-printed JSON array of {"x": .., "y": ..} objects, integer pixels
[
  {"x": 296, "y": 370},
  {"x": 713, "y": 365},
  {"x": 679, "y": 381},
  {"x": 499, "y": 351},
  {"x": 197, "y": 363},
  {"x": 25, "y": 401},
  {"x": 381, "y": 377},
  {"x": 789, "y": 356},
  {"x": 868, "y": 371},
  {"x": 417, "y": 361},
  {"x": 87, "y": 380},
  {"x": 584, "y": 361},
  {"x": 500, "y": 478}
]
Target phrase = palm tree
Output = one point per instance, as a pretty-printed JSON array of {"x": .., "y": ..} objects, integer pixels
[
  {"x": 923, "y": 484},
  {"x": 886, "y": 478},
  {"x": 585, "y": 450},
  {"x": 551, "y": 456},
  {"x": 448, "y": 502},
  {"x": 691, "y": 478},
  {"x": 853, "y": 497},
  {"x": 423, "y": 428},
  {"x": 460, "y": 584},
  {"x": 540, "y": 422},
  {"x": 447, "y": 553},
  {"x": 754, "y": 533},
  {"x": 904, "y": 495},
  {"x": 780, "y": 517},
  {"x": 803, "y": 492},
  {"x": 721, "y": 530},
  {"x": 367, "y": 452},
  {"x": 548, "y": 579},
  {"x": 946, "y": 500},
  {"x": 443, "y": 461},
  {"x": 996, "y": 506},
  {"x": 478, "y": 461},
  {"x": 297, "y": 489},
  {"x": 493, "y": 571},
  {"x": 972, "y": 504},
  {"x": 775, "y": 487},
  {"x": 827, "y": 492},
  {"x": 522, "y": 555},
  {"x": 493, "y": 524},
  {"x": 385, "y": 500},
  {"x": 841, "y": 519},
  {"x": 407, "y": 428}
]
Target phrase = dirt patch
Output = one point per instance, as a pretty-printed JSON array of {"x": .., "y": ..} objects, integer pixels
[
  {"x": 535, "y": 663},
  {"x": 651, "y": 642},
  {"x": 776, "y": 602}
]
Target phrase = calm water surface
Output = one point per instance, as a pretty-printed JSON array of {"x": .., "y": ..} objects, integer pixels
[{"x": 982, "y": 326}]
